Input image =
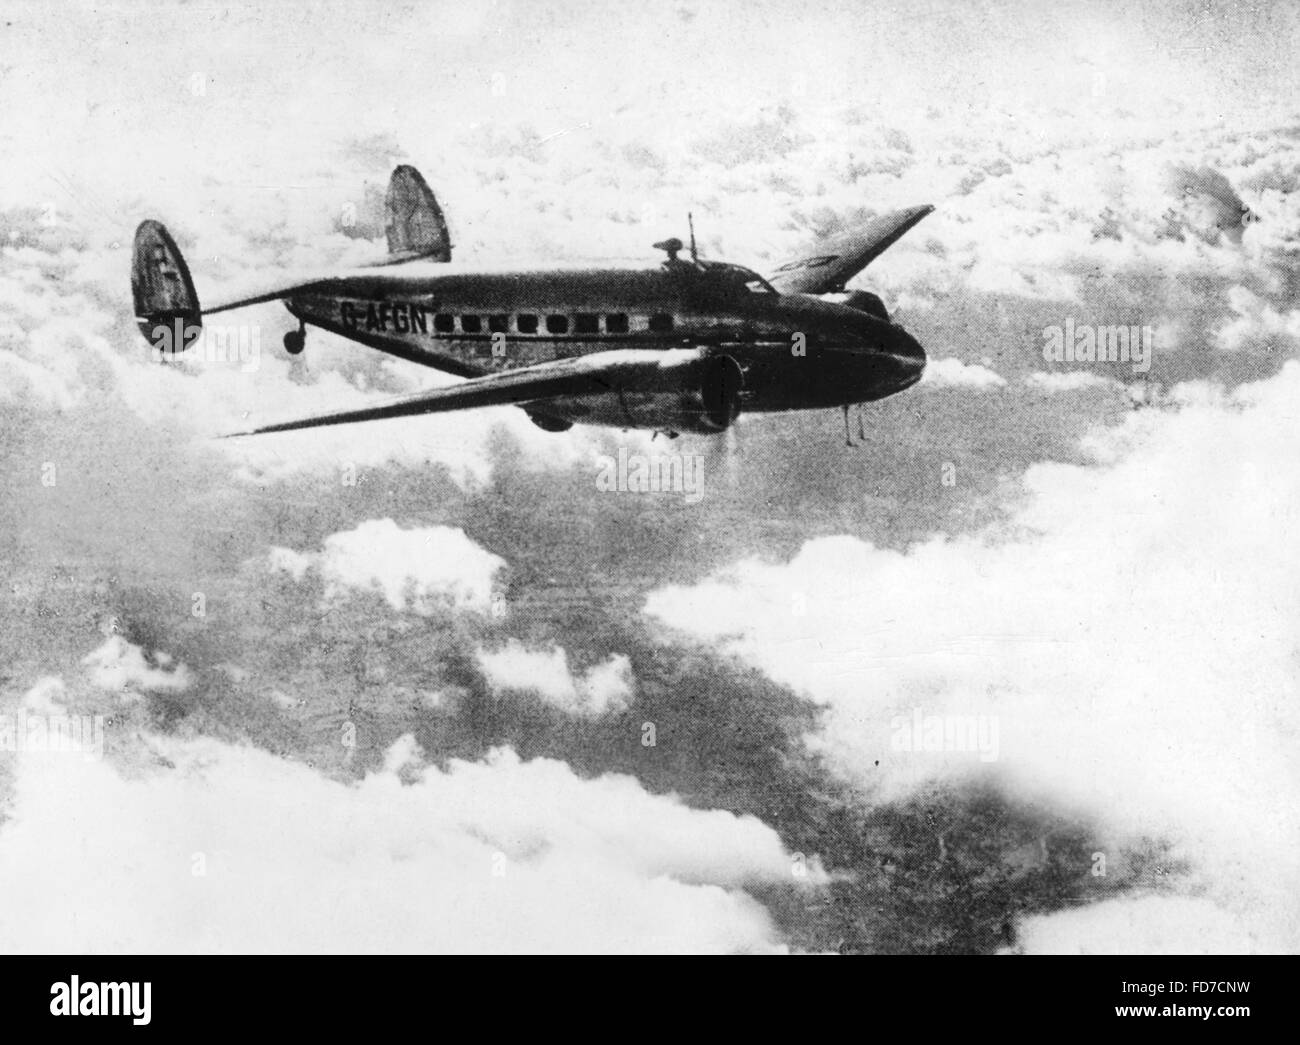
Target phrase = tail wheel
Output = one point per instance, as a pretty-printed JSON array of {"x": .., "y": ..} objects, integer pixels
[{"x": 294, "y": 342}]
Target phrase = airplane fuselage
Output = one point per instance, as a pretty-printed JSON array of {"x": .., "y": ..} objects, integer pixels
[{"x": 794, "y": 351}]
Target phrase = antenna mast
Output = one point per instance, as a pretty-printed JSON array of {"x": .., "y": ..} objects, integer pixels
[{"x": 690, "y": 220}]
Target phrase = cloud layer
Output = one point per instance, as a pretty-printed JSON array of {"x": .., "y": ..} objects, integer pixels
[
  {"x": 213, "y": 850},
  {"x": 441, "y": 638},
  {"x": 1131, "y": 629}
]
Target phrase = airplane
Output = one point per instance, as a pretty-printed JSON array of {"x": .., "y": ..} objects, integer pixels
[{"x": 683, "y": 345}]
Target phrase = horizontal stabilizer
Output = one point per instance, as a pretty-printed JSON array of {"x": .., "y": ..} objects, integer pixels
[{"x": 283, "y": 287}]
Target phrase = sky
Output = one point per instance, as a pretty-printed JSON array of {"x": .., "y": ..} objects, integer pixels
[{"x": 428, "y": 685}]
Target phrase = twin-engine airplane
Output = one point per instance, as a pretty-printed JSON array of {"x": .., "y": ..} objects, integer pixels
[{"x": 678, "y": 346}]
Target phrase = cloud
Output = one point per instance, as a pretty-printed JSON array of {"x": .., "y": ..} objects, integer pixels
[
  {"x": 605, "y": 687},
  {"x": 1131, "y": 628},
  {"x": 42, "y": 385},
  {"x": 207, "y": 851},
  {"x": 755, "y": 140},
  {"x": 1258, "y": 324},
  {"x": 417, "y": 570},
  {"x": 46, "y": 697},
  {"x": 1208, "y": 204},
  {"x": 1061, "y": 205},
  {"x": 286, "y": 560},
  {"x": 1056, "y": 383},
  {"x": 1139, "y": 925},
  {"x": 953, "y": 373},
  {"x": 121, "y": 666}
]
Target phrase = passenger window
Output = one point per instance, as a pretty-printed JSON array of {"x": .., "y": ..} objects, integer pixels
[
  {"x": 616, "y": 323},
  {"x": 557, "y": 324},
  {"x": 499, "y": 324},
  {"x": 661, "y": 324},
  {"x": 471, "y": 324},
  {"x": 444, "y": 323},
  {"x": 526, "y": 323},
  {"x": 586, "y": 323}
]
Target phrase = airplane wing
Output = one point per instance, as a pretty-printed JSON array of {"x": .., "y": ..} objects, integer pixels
[
  {"x": 598, "y": 374},
  {"x": 832, "y": 262}
]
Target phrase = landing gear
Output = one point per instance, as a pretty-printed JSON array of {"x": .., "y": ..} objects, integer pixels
[
  {"x": 295, "y": 341},
  {"x": 862, "y": 429}
]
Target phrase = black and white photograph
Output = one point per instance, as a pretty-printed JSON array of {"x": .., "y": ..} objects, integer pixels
[{"x": 709, "y": 477}]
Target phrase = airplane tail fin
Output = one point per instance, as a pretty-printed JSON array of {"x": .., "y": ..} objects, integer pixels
[
  {"x": 416, "y": 227},
  {"x": 166, "y": 304}
]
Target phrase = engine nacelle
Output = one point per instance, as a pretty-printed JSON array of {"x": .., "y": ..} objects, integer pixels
[
  {"x": 686, "y": 392},
  {"x": 862, "y": 300},
  {"x": 547, "y": 423}
]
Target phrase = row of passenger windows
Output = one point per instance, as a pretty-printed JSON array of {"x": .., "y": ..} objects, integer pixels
[{"x": 531, "y": 323}]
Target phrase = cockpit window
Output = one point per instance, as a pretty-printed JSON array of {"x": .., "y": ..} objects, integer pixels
[
  {"x": 751, "y": 281},
  {"x": 737, "y": 276},
  {"x": 720, "y": 275}
]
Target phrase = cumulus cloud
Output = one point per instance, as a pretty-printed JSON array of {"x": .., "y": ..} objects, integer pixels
[
  {"x": 417, "y": 570},
  {"x": 1139, "y": 925},
  {"x": 953, "y": 373},
  {"x": 209, "y": 853},
  {"x": 286, "y": 560},
  {"x": 1131, "y": 630},
  {"x": 1070, "y": 381},
  {"x": 1055, "y": 199},
  {"x": 604, "y": 687},
  {"x": 123, "y": 667},
  {"x": 46, "y": 697},
  {"x": 1207, "y": 202},
  {"x": 1259, "y": 324}
]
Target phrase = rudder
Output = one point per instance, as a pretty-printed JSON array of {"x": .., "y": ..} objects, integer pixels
[{"x": 166, "y": 304}]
